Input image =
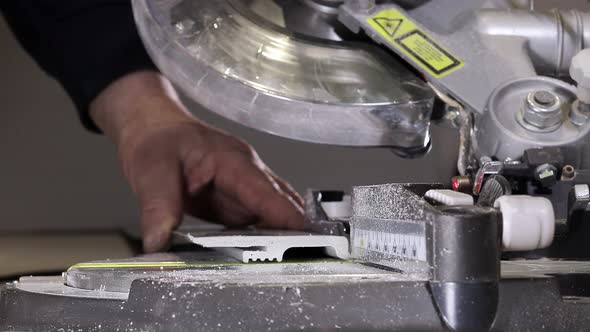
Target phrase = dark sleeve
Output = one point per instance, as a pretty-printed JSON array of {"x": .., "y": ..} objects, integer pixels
[{"x": 84, "y": 44}]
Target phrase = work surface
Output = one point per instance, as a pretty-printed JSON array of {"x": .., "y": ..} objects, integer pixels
[{"x": 208, "y": 291}]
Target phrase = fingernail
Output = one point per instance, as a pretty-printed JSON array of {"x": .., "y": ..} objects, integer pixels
[{"x": 155, "y": 240}]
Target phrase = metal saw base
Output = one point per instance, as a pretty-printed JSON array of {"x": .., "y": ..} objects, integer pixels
[{"x": 208, "y": 291}]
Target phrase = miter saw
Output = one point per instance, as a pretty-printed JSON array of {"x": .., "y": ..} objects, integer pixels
[{"x": 402, "y": 257}]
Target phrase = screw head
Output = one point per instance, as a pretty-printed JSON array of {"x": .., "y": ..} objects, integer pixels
[
  {"x": 185, "y": 27},
  {"x": 546, "y": 175},
  {"x": 568, "y": 172},
  {"x": 545, "y": 98},
  {"x": 542, "y": 109}
]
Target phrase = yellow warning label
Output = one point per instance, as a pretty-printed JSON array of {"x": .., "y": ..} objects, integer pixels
[
  {"x": 143, "y": 265},
  {"x": 179, "y": 265},
  {"x": 409, "y": 39}
]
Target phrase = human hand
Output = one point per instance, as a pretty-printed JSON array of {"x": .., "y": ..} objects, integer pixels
[{"x": 177, "y": 164}]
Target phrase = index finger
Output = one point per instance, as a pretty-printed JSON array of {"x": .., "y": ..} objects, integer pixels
[{"x": 258, "y": 192}]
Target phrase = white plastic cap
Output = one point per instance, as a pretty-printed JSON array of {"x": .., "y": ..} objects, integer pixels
[
  {"x": 449, "y": 197},
  {"x": 528, "y": 223},
  {"x": 580, "y": 72},
  {"x": 338, "y": 210}
]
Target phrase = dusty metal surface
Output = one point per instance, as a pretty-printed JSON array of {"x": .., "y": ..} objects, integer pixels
[
  {"x": 292, "y": 296},
  {"x": 388, "y": 225},
  {"x": 537, "y": 268},
  {"x": 117, "y": 276}
]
